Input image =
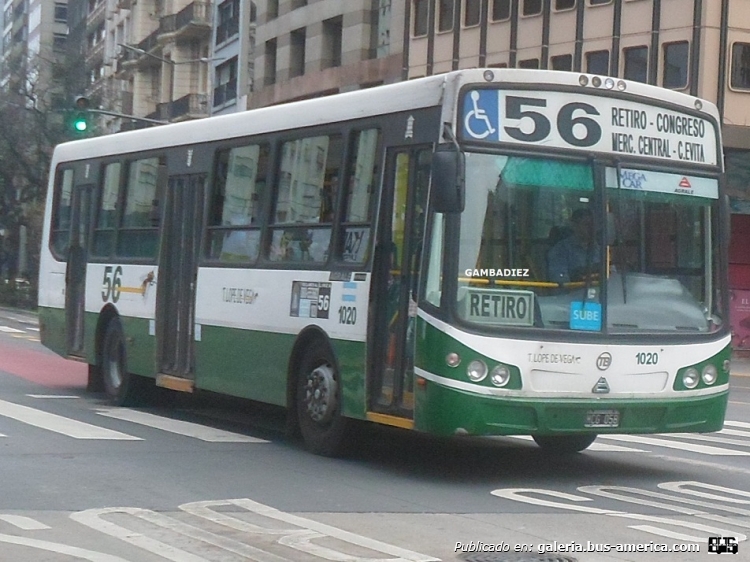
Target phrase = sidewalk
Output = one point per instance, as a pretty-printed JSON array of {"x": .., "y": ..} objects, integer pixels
[{"x": 740, "y": 364}]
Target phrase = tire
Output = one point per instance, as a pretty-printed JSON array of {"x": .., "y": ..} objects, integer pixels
[
  {"x": 121, "y": 387},
  {"x": 564, "y": 444},
  {"x": 96, "y": 380},
  {"x": 318, "y": 403}
]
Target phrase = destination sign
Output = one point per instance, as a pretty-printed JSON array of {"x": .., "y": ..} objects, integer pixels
[
  {"x": 500, "y": 306},
  {"x": 594, "y": 123}
]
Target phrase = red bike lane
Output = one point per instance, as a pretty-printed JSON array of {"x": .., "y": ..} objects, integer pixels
[{"x": 42, "y": 367}]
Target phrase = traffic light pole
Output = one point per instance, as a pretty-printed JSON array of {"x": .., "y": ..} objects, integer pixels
[{"x": 124, "y": 116}]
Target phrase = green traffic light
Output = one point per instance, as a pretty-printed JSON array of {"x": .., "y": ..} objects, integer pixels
[{"x": 80, "y": 125}]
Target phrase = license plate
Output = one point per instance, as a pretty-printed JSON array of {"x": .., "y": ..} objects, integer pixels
[{"x": 602, "y": 418}]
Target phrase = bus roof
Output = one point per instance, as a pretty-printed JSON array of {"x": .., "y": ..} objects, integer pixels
[{"x": 380, "y": 100}]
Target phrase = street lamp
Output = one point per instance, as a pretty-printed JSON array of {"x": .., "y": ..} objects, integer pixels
[{"x": 172, "y": 64}]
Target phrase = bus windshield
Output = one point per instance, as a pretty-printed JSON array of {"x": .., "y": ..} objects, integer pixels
[{"x": 544, "y": 246}]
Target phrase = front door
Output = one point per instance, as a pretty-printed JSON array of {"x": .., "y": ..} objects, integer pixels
[
  {"x": 75, "y": 273},
  {"x": 178, "y": 268},
  {"x": 395, "y": 285}
]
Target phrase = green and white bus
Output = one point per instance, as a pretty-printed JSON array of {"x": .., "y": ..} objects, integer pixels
[{"x": 393, "y": 255}]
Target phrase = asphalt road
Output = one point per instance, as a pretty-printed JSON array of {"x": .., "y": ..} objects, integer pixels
[{"x": 208, "y": 480}]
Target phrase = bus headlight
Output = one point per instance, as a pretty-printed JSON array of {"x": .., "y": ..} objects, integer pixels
[
  {"x": 500, "y": 375},
  {"x": 710, "y": 374},
  {"x": 691, "y": 377},
  {"x": 476, "y": 370},
  {"x": 452, "y": 359}
]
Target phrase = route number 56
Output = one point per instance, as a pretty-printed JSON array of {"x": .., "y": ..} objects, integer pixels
[
  {"x": 111, "y": 283},
  {"x": 519, "y": 108}
]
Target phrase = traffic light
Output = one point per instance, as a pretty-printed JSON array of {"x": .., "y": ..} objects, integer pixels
[
  {"x": 80, "y": 118},
  {"x": 80, "y": 122}
]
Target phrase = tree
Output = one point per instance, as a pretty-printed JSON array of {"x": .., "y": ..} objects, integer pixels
[{"x": 32, "y": 122}]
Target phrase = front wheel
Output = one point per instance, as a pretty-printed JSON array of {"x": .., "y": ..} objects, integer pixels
[
  {"x": 121, "y": 387},
  {"x": 564, "y": 444},
  {"x": 324, "y": 430}
]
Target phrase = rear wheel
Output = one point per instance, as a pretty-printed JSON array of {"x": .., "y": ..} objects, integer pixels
[
  {"x": 324, "y": 430},
  {"x": 564, "y": 444},
  {"x": 122, "y": 388}
]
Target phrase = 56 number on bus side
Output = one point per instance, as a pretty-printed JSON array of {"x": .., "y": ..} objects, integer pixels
[{"x": 111, "y": 283}]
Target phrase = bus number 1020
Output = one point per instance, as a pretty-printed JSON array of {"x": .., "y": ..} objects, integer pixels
[
  {"x": 347, "y": 315},
  {"x": 647, "y": 358}
]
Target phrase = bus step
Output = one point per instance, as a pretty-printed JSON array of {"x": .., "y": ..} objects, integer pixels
[{"x": 171, "y": 382}]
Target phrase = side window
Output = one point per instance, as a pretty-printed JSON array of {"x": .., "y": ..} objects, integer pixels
[
  {"x": 60, "y": 232},
  {"x": 360, "y": 187},
  {"x": 138, "y": 237},
  {"x": 237, "y": 197},
  {"x": 308, "y": 182},
  {"x": 106, "y": 220}
]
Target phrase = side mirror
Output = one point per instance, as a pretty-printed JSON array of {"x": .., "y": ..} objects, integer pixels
[{"x": 448, "y": 195}]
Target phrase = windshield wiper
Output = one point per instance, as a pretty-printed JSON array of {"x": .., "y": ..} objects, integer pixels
[{"x": 623, "y": 275}]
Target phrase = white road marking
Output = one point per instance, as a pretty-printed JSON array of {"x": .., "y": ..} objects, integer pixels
[
  {"x": 711, "y": 438},
  {"x": 300, "y": 538},
  {"x": 519, "y": 494},
  {"x": 179, "y": 427},
  {"x": 74, "y": 551},
  {"x": 51, "y": 396},
  {"x": 10, "y": 330},
  {"x": 25, "y": 523},
  {"x": 744, "y": 425},
  {"x": 60, "y": 424},
  {"x": 702, "y": 449}
]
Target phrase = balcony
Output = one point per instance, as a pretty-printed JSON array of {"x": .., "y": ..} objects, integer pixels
[
  {"x": 193, "y": 21},
  {"x": 191, "y": 106},
  {"x": 225, "y": 93},
  {"x": 96, "y": 13},
  {"x": 227, "y": 30}
]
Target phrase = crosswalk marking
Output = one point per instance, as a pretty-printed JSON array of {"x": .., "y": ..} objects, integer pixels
[
  {"x": 179, "y": 427},
  {"x": 60, "y": 424},
  {"x": 10, "y": 330},
  {"x": 702, "y": 449}
]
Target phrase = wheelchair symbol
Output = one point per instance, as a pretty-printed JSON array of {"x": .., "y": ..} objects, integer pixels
[{"x": 477, "y": 114}]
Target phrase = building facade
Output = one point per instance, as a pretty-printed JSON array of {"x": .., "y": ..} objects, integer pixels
[
  {"x": 308, "y": 48},
  {"x": 232, "y": 55}
]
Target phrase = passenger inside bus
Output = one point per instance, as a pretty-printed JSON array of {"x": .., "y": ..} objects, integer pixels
[{"x": 572, "y": 257}]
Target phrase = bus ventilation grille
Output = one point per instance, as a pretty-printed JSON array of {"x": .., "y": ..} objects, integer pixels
[{"x": 507, "y": 557}]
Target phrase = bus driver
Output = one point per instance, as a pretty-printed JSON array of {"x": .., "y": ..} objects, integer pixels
[{"x": 569, "y": 259}]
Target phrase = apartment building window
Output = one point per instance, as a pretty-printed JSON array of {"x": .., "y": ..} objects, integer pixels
[
  {"x": 472, "y": 12},
  {"x": 445, "y": 15},
  {"x": 532, "y": 7},
  {"x": 61, "y": 13},
  {"x": 528, "y": 63},
  {"x": 229, "y": 20},
  {"x": 298, "y": 4},
  {"x": 500, "y": 10},
  {"x": 740, "y": 66},
  {"x": 597, "y": 62},
  {"x": 564, "y": 4},
  {"x": 421, "y": 8},
  {"x": 636, "y": 63},
  {"x": 269, "y": 70},
  {"x": 226, "y": 82},
  {"x": 562, "y": 62},
  {"x": 332, "y": 32},
  {"x": 599, "y": 2},
  {"x": 297, "y": 52},
  {"x": 59, "y": 41},
  {"x": 272, "y": 9},
  {"x": 675, "y": 65}
]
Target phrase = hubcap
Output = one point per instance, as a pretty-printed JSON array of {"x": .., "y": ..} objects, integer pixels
[{"x": 320, "y": 394}]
